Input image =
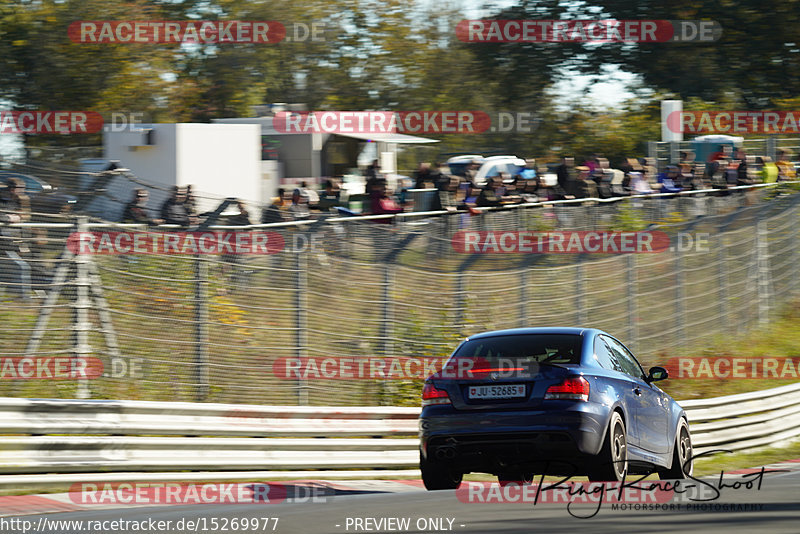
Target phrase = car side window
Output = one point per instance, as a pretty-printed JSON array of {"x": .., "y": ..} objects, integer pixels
[
  {"x": 605, "y": 357},
  {"x": 629, "y": 364}
]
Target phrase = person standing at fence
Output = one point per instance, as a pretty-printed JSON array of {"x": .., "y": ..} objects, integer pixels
[
  {"x": 585, "y": 186},
  {"x": 670, "y": 180},
  {"x": 311, "y": 194},
  {"x": 274, "y": 213},
  {"x": 423, "y": 176},
  {"x": 15, "y": 207},
  {"x": 330, "y": 196},
  {"x": 489, "y": 195},
  {"x": 639, "y": 184},
  {"x": 565, "y": 174},
  {"x": 471, "y": 172},
  {"x": 136, "y": 210},
  {"x": 191, "y": 200},
  {"x": 176, "y": 211},
  {"x": 785, "y": 166},
  {"x": 298, "y": 211},
  {"x": 769, "y": 171},
  {"x": 232, "y": 263},
  {"x": 383, "y": 204}
]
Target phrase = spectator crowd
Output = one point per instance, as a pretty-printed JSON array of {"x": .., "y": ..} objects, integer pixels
[
  {"x": 441, "y": 187},
  {"x": 594, "y": 178}
]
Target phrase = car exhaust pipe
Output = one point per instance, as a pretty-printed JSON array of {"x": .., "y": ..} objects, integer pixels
[{"x": 445, "y": 453}]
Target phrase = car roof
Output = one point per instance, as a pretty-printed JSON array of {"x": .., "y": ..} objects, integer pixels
[
  {"x": 466, "y": 158},
  {"x": 538, "y": 330},
  {"x": 503, "y": 157}
]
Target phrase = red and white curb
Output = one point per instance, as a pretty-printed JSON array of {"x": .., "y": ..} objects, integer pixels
[{"x": 20, "y": 505}]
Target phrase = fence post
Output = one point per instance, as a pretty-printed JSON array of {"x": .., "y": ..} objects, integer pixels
[
  {"x": 652, "y": 151},
  {"x": 680, "y": 291},
  {"x": 631, "y": 276},
  {"x": 80, "y": 313},
  {"x": 722, "y": 277},
  {"x": 795, "y": 216},
  {"x": 580, "y": 298},
  {"x": 387, "y": 328},
  {"x": 301, "y": 319},
  {"x": 523, "y": 297},
  {"x": 201, "y": 376},
  {"x": 461, "y": 303},
  {"x": 762, "y": 265},
  {"x": 674, "y": 152},
  {"x": 772, "y": 147}
]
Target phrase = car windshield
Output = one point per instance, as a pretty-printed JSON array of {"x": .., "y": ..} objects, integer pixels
[{"x": 540, "y": 348}]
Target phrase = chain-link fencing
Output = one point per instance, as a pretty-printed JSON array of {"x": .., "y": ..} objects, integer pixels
[{"x": 194, "y": 323}]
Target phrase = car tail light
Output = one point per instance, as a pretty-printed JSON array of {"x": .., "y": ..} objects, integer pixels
[
  {"x": 431, "y": 395},
  {"x": 572, "y": 388}
]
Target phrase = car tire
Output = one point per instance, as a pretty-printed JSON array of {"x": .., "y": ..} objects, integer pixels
[
  {"x": 438, "y": 476},
  {"x": 682, "y": 464},
  {"x": 612, "y": 462}
]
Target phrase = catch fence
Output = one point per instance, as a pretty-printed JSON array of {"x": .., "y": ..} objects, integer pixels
[{"x": 222, "y": 327}]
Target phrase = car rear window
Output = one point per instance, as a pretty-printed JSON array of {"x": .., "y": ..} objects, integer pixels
[{"x": 541, "y": 348}]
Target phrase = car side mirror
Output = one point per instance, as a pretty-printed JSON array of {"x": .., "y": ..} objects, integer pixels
[{"x": 656, "y": 374}]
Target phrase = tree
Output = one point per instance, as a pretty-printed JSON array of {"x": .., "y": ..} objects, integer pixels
[{"x": 757, "y": 57}]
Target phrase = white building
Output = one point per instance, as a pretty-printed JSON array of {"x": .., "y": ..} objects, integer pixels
[
  {"x": 289, "y": 158},
  {"x": 217, "y": 160}
]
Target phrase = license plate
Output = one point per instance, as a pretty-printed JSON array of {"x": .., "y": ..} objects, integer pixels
[{"x": 505, "y": 391}]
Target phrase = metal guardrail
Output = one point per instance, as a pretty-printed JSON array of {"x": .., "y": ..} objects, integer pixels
[
  {"x": 745, "y": 421},
  {"x": 71, "y": 436}
]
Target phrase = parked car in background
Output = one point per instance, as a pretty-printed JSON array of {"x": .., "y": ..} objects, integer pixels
[
  {"x": 495, "y": 165},
  {"x": 458, "y": 164},
  {"x": 558, "y": 401},
  {"x": 44, "y": 197}
]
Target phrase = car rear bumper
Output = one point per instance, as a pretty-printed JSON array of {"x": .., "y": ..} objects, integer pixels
[{"x": 494, "y": 440}]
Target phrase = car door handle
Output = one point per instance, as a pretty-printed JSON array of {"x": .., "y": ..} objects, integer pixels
[{"x": 638, "y": 392}]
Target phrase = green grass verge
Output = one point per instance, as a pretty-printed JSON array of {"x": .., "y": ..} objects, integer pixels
[{"x": 779, "y": 339}]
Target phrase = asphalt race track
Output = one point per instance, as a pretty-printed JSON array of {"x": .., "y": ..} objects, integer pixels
[{"x": 775, "y": 508}]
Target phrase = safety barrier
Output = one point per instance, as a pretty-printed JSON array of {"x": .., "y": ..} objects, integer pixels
[{"x": 70, "y": 436}]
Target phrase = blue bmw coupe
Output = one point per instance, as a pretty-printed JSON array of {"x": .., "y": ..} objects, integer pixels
[{"x": 554, "y": 401}]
